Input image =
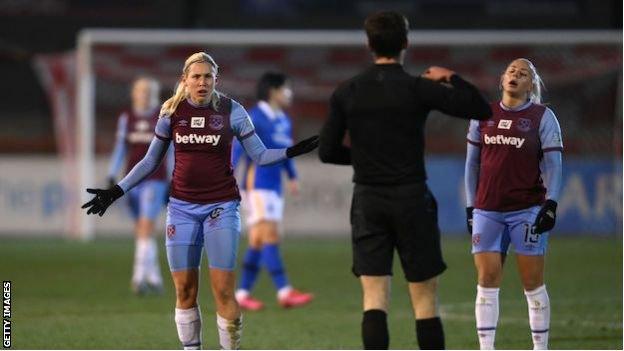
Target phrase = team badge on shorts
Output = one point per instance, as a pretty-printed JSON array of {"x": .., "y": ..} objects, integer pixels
[
  {"x": 476, "y": 239},
  {"x": 524, "y": 124},
  {"x": 215, "y": 122},
  {"x": 170, "y": 230}
]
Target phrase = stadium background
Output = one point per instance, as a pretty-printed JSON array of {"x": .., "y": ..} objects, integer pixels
[{"x": 38, "y": 155}]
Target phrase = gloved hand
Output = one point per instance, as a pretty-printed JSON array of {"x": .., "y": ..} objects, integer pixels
[
  {"x": 303, "y": 147},
  {"x": 546, "y": 217},
  {"x": 103, "y": 199},
  {"x": 111, "y": 182},
  {"x": 469, "y": 219}
]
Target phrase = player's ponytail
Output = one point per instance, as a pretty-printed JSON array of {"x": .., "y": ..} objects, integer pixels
[
  {"x": 536, "y": 92},
  {"x": 169, "y": 106}
]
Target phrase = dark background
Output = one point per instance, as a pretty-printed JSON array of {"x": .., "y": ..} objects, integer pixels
[{"x": 29, "y": 27}]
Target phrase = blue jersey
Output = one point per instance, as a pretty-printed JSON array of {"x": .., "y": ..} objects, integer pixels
[{"x": 275, "y": 131}]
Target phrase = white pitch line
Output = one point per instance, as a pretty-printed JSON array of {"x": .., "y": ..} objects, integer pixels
[{"x": 446, "y": 310}]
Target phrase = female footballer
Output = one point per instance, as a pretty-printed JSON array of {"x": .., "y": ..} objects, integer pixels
[
  {"x": 513, "y": 180},
  {"x": 203, "y": 211},
  {"x": 263, "y": 199},
  {"x": 135, "y": 131}
]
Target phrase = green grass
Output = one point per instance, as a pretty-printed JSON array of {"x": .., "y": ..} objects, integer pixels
[{"x": 74, "y": 295}]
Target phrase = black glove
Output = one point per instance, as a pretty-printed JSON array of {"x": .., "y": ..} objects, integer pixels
[
  {"x": 103, "y": 199},
  {"x": 469, "y": 219},
  {"x": 546, "y": 217},
  {"x": 303, "y": 147},
  {"x": 111, "y": 182}
]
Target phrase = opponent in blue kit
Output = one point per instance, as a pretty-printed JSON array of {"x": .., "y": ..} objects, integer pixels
[
  {"x": 513, "y": 180},
  {"x": 203, "y": 211},
  {"x": 262, "y": 197},
  {"x": 135, "y": 131}
]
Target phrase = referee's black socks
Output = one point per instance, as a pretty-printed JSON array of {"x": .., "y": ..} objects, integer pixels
[
  {"x": 375, "y": 330},
  {"x": 430, "y": 334}
]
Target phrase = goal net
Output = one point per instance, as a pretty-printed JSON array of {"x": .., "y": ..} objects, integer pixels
[{"x": 582, "y": 72}]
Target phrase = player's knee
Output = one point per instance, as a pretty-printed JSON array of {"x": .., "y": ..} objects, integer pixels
[
  {"x": 186, "y": 295},
  {"x": 223, "y": 295},
  {"x": 489, "y": 278},
  {"x": 255, "y": 237},
  {"x": 144, "y": 228}
]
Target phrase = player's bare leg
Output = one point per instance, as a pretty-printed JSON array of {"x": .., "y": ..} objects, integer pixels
[
  {"x": 531, "y": 269},
  {"x": 229, "y": 317},
  {"x": 489, "y": 275},
  {"x": 376, "y": 298},
  {"x": 187, "y": 312},
  {"x": 424, "y": 299},
  {"x": 250, "y": 270},
  {"x": 489, "y": 269}
]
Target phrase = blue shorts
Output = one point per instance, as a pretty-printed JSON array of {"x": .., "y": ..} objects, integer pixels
[
  {"x": 493, "y": 232},
  {"x": 147, "y": 199},
  {"x": 192, "y": 227}
]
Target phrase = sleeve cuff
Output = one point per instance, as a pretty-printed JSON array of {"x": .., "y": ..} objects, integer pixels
[
  {"x": 473, "y": 143},
  {"x": 243, "y": 137},
  {"x": 162, "y": 137}
]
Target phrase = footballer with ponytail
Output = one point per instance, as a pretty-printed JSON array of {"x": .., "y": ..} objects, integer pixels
[
  {"x": 201, "y": 123},
  {"x": 513, "y": 181}
]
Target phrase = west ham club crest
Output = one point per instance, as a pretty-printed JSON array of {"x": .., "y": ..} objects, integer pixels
[
  {"x": 524, "y": 124},
  {"x": 215, "y": 122},
  {"x": 171, "y": 230}
]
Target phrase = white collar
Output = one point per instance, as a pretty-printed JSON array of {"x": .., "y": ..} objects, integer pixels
[
  {"x": 268, "y": 110},
  {"x": 519, "y": 108}
]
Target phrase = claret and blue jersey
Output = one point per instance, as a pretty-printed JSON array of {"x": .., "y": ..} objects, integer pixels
[
  {"x": 513, "y": 165},
  {"x": 275, "y": 131}
]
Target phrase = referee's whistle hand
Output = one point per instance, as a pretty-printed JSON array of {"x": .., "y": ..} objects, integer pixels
[{"x": 438, "y": 74}]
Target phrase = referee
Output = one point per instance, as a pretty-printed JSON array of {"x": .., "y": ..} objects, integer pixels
[{"x": 384, "y": 110}]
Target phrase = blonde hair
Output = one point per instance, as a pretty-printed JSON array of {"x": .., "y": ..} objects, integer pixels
[
  {"x": 537, "y": 83},
  {"x": 154, "y": 87},
  {"x": 169, "y": 106}
]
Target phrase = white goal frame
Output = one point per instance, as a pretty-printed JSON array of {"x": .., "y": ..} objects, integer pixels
[{"x": 85, "y": 78}]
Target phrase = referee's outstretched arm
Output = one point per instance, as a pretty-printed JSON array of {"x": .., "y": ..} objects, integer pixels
[{"x": 461, "y": 99}]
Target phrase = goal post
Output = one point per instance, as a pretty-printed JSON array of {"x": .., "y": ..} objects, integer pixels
[{"x": 133, "y": 40}]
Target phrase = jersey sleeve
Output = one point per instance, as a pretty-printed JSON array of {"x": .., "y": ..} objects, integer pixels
[
  {"x": 163, "y": 129},
  {"x": 237, "y": 152},
  {"x": 245, "y": 132},
  {"x": 550, "y": 132},
  {"x": 462, "y": 100},
  {"x": 471, "y": 170},
  {"x": 240, "y": 121},
  {"x": 147, "y": 165},
  {"x": 474, "y": 135},
  {"x": 551, "y": 167},
  {"x": 331, "y": 149},
  {"x": 119, "y": 151}
]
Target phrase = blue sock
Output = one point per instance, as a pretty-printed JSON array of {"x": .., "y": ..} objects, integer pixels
[
  {"x": 251, "y": 267},
  {"x": 273, "y": 261}
]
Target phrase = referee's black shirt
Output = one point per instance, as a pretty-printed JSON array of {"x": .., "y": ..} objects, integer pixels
[{"x": 384, "y": 110}]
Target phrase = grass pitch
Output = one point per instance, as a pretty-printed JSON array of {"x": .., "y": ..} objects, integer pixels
[{"x": 70, "y": 295}]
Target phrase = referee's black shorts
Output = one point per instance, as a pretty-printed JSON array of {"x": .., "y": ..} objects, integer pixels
[{"x": 404, "y": 217}]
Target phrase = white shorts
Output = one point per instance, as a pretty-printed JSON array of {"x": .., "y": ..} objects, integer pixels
[{"x": 261, "y": 205}]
